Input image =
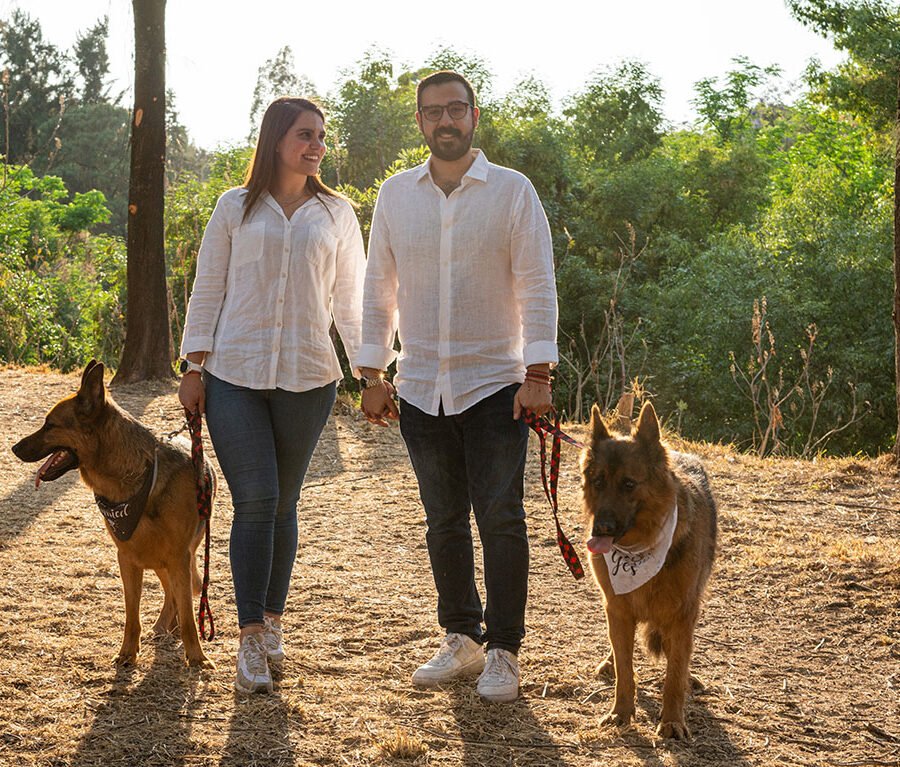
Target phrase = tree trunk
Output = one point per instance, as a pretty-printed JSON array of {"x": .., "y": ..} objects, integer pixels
[
  {"x": 896, "y": 312},
  {"x": 148, "y": 343}
]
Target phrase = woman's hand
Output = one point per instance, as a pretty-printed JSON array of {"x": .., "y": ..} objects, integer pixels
[{"x": 192, "y": 392}]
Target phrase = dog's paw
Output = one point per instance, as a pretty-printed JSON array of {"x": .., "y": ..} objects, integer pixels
[
  {"x": 617, "y": 718},
  {"x": 673, "y": 730},
  {"x": 126, "y": 659},
  {"x": 200, "y": 662}
]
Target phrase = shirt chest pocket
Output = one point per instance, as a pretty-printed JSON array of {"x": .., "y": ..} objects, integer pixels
[
  {"x": 247, "y": 243},
  {"x": 320, "y": 247}
]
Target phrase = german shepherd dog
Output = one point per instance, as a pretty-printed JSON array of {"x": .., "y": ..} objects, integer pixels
[
  {"x": 653, "y": 539},
  {"x": 152, "y": 512}
]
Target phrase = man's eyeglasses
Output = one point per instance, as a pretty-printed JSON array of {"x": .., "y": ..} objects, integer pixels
[{"x": 456, "y": 109}]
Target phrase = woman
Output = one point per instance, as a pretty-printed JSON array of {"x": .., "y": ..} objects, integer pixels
[{"x": 281, "y": 256}]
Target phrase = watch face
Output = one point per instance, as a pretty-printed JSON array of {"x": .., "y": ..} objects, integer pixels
[{"x": 183, "y": 366}]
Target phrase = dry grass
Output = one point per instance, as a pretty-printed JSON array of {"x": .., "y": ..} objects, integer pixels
[{"x": 799, "y": 643}]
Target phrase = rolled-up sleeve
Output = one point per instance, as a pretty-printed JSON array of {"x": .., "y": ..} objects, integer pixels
[
  {"x": 379, "y": 322},
  {"x": 534, "y": 281},
  {"x": 208, "y": 293},
  {"x": 347, "y": 293}
]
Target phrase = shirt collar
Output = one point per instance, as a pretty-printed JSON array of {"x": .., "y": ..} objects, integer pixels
[{"x": 478, "y": 170}]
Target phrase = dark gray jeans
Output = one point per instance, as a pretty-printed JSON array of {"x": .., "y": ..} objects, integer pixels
[{"x": 474, "y": 461}]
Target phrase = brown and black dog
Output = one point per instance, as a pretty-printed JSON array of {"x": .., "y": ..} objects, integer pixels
[
  {"x": 652, "y": 523},
  {"x": 151, "y": 511}
]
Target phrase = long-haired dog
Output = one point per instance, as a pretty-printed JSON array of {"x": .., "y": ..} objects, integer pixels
[{"x": 652, "y": 542}]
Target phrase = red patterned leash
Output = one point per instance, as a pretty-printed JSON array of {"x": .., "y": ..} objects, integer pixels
[
  {"x": 542, "y": 427},
  {"x": 204, "y": 509}
]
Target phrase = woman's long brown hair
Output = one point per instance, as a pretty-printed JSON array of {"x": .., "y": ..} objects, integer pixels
[{"x": 277, "y": 120}]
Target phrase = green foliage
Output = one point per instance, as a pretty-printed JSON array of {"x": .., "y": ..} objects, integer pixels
[
  {"x": 372, "y": 117},
  {"x": 617, "y": 117},
  {"x": 61, "y": 290},
  {"x": 869, "y": 31},
  {"x": 729, "y": 108}
]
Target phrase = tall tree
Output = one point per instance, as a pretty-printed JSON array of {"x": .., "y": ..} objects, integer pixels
[
  {"x": 93, "y": 62},
  {"x": 276, "y": 78},
  {"x": 868, "y": 85},
  {"x": 38, "y": 87},
  {"x": 618, "y": 116},
  {"x": 148, "y": 343},
  {"x": 373, "y": 119}
]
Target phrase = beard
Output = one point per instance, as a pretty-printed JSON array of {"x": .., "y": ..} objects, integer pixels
[{"x": 450, "y": 144}]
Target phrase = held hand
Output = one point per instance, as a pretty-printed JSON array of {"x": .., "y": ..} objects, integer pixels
[
  {"x": 192, "y": 393},
  {"x": 532, "y": 396},
  {"x": 377, "y": 404}
]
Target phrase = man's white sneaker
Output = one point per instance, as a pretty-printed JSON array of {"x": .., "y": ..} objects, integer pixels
[
  {"x": 458, "y": 656},
  {"x": 252, "y": 666},
  {"x": 273, "y": 639},
  {"x": 499, "y": 682}
]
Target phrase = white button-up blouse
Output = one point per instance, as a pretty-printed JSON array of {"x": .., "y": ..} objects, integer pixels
[{"x": 267, "y": 289}]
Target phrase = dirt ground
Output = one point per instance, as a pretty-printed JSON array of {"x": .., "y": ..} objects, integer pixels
[{"x": 798, "y": 644}]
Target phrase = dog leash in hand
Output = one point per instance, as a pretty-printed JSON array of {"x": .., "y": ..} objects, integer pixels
[
  {"x": 204, "y": 509},
  {"x": 542, "y": 427}
]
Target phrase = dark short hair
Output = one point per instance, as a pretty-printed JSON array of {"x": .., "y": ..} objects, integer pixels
[{"x": 441, "y": 77}]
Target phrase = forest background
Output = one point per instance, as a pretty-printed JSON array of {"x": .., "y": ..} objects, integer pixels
[{"x": 737, "y": 271}]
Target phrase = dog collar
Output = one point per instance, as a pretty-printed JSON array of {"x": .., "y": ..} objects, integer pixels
[
  {"x": 630, "y": 568},
  {"x": 123, "y": 517}
]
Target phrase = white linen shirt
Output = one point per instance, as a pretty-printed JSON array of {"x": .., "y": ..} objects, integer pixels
[
  {"x": 267, "y": 288},
  {"x": 466, "y": 281}
]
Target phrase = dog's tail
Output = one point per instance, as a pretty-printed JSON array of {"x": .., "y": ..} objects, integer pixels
[{"x": 654, "y": 643}]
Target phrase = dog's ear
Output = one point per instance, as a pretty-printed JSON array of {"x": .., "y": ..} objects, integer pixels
[
  {"x": 90, "y": 366},
  {"x": 91, "y": 396},
  {"x": 598, "y": 427},
  {"x": 648, "y": 426}
]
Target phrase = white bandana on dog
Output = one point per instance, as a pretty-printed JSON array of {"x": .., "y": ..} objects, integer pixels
[{"x": 631, "y": 568}]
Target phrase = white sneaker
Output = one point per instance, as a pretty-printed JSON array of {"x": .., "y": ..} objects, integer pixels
[
  {"x": 252, "y": 667},
  {"x": 458, "y": 656},
  {"x": 499, "y": 682},
  {"x": 273, "y": 640}
]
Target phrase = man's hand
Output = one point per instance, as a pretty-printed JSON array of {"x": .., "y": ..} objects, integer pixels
[
  {"x": 533, "y": 396},
  {"x": 377, "y": 404},
  {"x": 192, "y": 393}
]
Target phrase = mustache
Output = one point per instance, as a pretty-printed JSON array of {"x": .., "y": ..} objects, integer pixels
[{"x": 448, "y": 132}]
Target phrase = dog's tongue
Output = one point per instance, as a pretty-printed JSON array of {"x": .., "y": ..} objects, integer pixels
[
  {"x": 44, "y": 467},
  {"x": 599, "y": 544}
]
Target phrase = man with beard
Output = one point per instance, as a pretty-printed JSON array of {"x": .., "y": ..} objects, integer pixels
[{"x": 461, "y": 266}]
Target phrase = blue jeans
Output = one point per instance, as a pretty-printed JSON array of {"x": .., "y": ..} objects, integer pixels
[
  {"x": 264, "y": 440},
  {"x": 474, "y": 461}
]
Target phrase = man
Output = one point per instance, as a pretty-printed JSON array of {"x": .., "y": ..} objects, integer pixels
[{"x": 461, "y": 266}]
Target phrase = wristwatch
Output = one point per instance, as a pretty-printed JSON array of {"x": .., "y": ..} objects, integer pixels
[
  {"x": 186, "y": 366},
  {"x": 370, "y": 383}
]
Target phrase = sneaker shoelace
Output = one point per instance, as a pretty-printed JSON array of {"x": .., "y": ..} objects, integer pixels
[
  {"x": 274, "y": 634},
  {"x": 254, "y": 655},
  {"x": 447, "y": 650},
  {"x": 498, "y": 667}
]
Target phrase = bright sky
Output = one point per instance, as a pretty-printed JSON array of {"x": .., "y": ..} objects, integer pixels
[{"x": 215, "y": 47}]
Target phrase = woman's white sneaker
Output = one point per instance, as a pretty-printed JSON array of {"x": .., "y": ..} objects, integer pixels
[
  {"x": 252, "y": 666},
  {"x": 273, "y": 639},
  {"x": 458, "y": 656},
  {"x": 499, "y": 682}
]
